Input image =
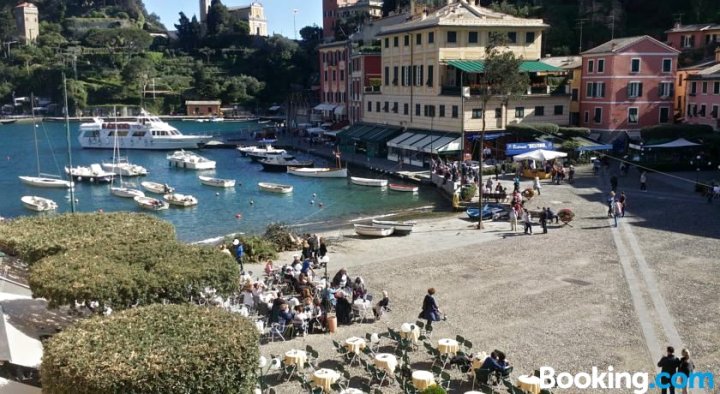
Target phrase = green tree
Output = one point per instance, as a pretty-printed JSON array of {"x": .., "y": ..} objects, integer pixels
[
  {"x": 241, "y": 89},
  {"x": 190, "y": 32},
  {"x": 77, "y": 96},
  {"x": 218, "y": 18},
  {"x": 139, "y": 67}
]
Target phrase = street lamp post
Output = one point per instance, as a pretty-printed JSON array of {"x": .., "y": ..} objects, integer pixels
[{"x": 295, "y": 11}]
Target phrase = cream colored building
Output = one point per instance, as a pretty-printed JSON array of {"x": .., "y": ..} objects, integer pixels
[
  {"x": 423, "y": 61},
  {"x": 26, "y": 21},
  {"x": 254, "y": 15}
]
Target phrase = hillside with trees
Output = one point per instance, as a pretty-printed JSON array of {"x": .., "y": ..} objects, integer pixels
[{"x": 114, "y": 52}]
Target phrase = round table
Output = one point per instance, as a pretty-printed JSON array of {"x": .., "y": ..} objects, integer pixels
[
  {"x": 529, "y": 384},
  {"x": 410, "y": 331},
  {"x": 448, "y": 346},
  {"x": 297, "y": 357},
  {"x": 355, "y": 345},
  {"x": 325, "y": 378},
  {"x": 351, "y": 390},
  {"x": 474, "y": 392},
  {"x": 423, "y": 379},
  {"x": 386, "y": 361}
]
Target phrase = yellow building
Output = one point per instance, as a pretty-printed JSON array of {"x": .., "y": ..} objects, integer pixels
[
  {"x": 423, "y": 61},
  {"x": 254, "y": 15},
  {"x": 573, "y": 65}
]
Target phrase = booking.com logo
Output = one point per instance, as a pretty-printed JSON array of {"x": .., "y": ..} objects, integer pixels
[{"x": 639, "y": 382}]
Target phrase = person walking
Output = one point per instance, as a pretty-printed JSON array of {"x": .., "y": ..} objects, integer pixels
[
  {"x": 617, "y": 211},
  {"x": 513, "y": 219},
  {"x": 686, "y": 367},
  {"x": 622, "y": 200},
  {"x": 536, "y": 185},
  {"x": 543, "y": 220},
  {"x": 239, "y": 253},
  {"x": 643, "y": 181},
  {"x": 611, "y": 202},
  {"x": 526, "y": 219},
  {"x": 430, "y": 310},
  {"x": 571, "y": 174},
  {"x": 668, "y": 366}
]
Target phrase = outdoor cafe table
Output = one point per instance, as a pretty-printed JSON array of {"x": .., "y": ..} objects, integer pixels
[
  {"x": 351, "y": 390},
  {"x": 355, "y": 344},
  {"x": 423, "y": 379},
  {"x": 325, "y": 378},
  {"x": 386, "y": 361},
  {"x": 296, "y": 357},
  {"x": 410, "y": 331},
  {"x": 448, "y": 346},
  {"x": 529, "y": 384}
]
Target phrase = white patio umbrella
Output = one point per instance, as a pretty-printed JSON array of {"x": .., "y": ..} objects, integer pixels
[{"x": 539, "y": 155}]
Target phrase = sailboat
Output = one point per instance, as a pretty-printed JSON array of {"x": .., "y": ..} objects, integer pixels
[
  {"x": 122, "y": 190},
  {"x": 42, "y": 180}
]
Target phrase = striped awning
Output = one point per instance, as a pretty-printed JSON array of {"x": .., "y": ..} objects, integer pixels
[{"x": 526, "y": 66}]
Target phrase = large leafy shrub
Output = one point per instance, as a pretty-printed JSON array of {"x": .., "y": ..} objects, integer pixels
[
  {"x": 123, "y": 276},
  {"x": 154, "y": 349},
  {"x": 258, "y": 249},
  {"x": 675, "y": 131},
  {"x": 35, "y": 237}
]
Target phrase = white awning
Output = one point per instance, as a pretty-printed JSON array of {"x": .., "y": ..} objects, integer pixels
[
  {"x": 452, "y": 146},
  {"x": 678, "y": 143},
  {"x": 394, "y": 143},
  {"x": 409, "y": 143},
  {"x": 437, "y": 143},
  {"x": 340, "y": 110},
  {"x": 325, "y": 107}
]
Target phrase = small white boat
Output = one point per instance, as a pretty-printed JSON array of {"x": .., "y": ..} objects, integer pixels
[
  {"x": 180, "y": 200},
  {"x": 369, "y": 181},
  {"x": 260, "y": 150},
  {"x": 38, "y": 204},
  {"x": 318, "y": 172},
  {"x": 125, "y": 168},
  {"x": 275, "y": 187},
  {"x": 403, "y": 188},
  {"x": 216, "y": 182},
  {"x": 156, "y": 187},
  {"x": 374, "y": 231},
  {"x": 401, "y": 228},
  {"x": 126, "y": 192},
  {"x": 152, "y": 204},
  {"x": 94, "y": 173},
  {"x": 39, "y": 181},
  {"x": 190, "y": 161}
]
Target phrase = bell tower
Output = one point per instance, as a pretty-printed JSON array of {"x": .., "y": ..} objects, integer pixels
[{"x": 204, "y": 7}]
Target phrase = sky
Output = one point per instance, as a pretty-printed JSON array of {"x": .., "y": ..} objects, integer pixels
[{"x": 279, "y": 13}]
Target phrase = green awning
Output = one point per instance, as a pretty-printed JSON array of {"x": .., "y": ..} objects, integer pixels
[
  {"x": 478, "y": 66},
  {"x": 369, "y": 133}
]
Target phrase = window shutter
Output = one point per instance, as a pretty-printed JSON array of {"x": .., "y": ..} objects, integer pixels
[
  {"x": 602, "y": 89},
  {"x": 640, "y": 89},
  {"x": 629, "y": 90}
]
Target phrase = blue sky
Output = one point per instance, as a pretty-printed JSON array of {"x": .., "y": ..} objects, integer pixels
[{"x": 278, "y": 12}]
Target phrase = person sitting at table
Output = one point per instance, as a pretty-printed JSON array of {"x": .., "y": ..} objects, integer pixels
[
  {"x": 340, "y": 279},
  {"x": 503, "y": 363},
  {"x": 307, "y": 251},
  {"x": 286, "y": 317},
  {"x": 382, "y": 306},
  {"x": 492, "y": 363},
  {"x": 358, "y": 289},
  {"x": 300, "y": 320},
  {"x": 343, "y": 308},
  {"x": 317, "y": 317},
  {"x": 550, "y": 214},
  {"x": 275, "y": 309},
  {"x": 307, "y": 268}
]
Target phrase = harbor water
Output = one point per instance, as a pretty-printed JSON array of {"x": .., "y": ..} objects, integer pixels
[{"x": 314, "y": 203}]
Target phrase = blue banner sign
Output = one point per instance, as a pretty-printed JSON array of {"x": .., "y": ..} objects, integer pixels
[{"x": 523, "y": 147}]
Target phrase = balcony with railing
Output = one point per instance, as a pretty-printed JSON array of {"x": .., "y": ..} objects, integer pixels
[{"x": 538, "y": 86}]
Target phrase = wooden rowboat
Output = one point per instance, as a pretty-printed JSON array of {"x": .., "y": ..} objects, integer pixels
[
  {"x": 216, "y": 182},
  {"x": 156, "y": 187},
  {"x": 369, "y": 181},
  {"x": 374, "y": 230},
  {"x": 403, "y": 188},
  {"x": 275, "y": 187},
  {"x": 318, "y": 172},
  {"x": 152, "y": 204},
  {"x": 401, "y": 228},
  {"x": 180, "y": 200}
]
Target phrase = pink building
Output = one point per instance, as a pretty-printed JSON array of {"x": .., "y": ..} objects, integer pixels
[
  {"x": 334, "y": 80},
  {"x": 703, "y": 96},
  {"x": 689, "y": 37},
  {"x": 627, "y": 83}
]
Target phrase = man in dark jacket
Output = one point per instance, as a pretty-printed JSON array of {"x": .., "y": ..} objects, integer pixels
[{"x": 668, "y": 365}]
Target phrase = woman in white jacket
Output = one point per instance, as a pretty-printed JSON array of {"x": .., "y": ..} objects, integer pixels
[{"x": 527, "y": 220}]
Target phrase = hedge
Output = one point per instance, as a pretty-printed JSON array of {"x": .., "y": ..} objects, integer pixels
[
  {"x": 34, "y": 237},
  {"x": 121, "y": 276},
  {"x": 154, "y": 349},
  {"x": 569, "y": 132},
  {"x": 542, "y": 128}
]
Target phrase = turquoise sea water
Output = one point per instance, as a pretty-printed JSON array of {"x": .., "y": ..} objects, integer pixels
[{"x": 335, "y": 199}]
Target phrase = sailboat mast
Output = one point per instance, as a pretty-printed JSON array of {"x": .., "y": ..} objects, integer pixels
[
  {"x": 67, "y": 136},
  {"x": 37, "y": 149}
]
